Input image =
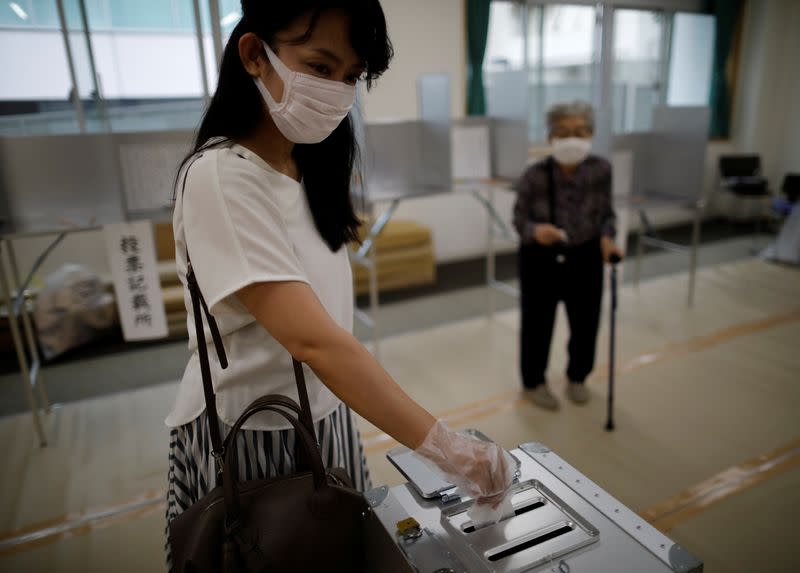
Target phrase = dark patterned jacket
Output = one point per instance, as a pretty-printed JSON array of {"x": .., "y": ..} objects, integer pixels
[{"x": 584, "y": 207}]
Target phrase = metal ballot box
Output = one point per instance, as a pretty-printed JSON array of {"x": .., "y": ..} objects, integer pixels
[{"x": 562, "y": 522}]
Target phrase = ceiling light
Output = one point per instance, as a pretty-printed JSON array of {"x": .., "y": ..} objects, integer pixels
[
  {"x": 230, "y": 18},
  {"x": 17, "y": 9}
]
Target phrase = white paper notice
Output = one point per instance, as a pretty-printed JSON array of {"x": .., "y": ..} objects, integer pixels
[
  {"x": 132, "y": 255},
  {"x": 471, "y": 152}
]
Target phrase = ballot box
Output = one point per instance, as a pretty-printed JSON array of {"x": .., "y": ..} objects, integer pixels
[{"x": 562, "y": 522}]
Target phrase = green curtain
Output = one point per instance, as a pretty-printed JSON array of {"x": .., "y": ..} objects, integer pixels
[
  {"x": 727, "y": 15},
  {"x": 477, "y": 32}
]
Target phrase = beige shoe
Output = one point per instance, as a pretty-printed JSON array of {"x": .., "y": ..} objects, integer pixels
[
  {"x": 578, "y": 393},
  {"x": 542, "y": 397}
]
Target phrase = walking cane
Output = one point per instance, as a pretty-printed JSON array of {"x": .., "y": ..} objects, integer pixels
[{"x": 614, "y": 260}]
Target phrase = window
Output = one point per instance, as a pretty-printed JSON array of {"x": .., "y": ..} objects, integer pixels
[
  {"x": 106, "y": 14},
  {"x": 170, "y": 15},
  {"x": 554, "y": 45},
  {"x": 657, "y": 57},
  {"x": 505, "y": 75},
  {"x": 230, "y": 12},
  {"x": 505, "y": 45},
  {"x": 639, "y": 52},
  {"x": 145, "y": 55},
  {"x": 40, "y": 103},
  {"x": 28, "y": 14},
  {"x": 35, "y": 103},
  {"x": 565, "y": 42},
  {"x": 691, "y": 60}
]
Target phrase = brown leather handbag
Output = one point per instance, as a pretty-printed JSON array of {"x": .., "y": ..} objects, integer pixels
[{"x": 312, "y": 520}]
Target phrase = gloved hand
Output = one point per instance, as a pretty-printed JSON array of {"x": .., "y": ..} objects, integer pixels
[{"x": 481, "y": 470}]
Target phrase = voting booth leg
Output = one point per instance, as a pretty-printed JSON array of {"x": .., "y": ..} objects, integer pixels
[
  {"x": 762, "y": 213},
  {"x": 698, "y": 217},
  {"x": 25, "y": 372},
  {"x": 374, "y": 303},
  {"x": 491, "y": 261},
  {"x": 33, "y": 348},
  {"x": 637, "y": 274}
]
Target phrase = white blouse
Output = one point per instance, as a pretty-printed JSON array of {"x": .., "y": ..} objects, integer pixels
[{"x": 244, "y": 222}]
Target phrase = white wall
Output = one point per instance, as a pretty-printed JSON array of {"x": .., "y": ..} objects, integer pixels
[
  {"x": 789, "y": 159},
  {"x": 790, "y": 162},
  {"x": 428, "y": 36},
  {"x": 768, "y": 118}
]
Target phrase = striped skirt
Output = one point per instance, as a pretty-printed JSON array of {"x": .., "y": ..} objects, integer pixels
[{"x": 262, "y": 455}]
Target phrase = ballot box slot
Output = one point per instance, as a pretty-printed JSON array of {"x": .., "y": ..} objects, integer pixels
[
  {"x": 518, "y": 510},
  {"x": 537, "y": 539}
]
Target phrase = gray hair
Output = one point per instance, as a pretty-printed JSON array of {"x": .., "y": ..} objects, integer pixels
[{"x": 559, "y": 111}]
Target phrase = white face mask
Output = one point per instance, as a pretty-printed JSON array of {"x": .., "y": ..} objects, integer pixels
[
  {"x": 571, "y": 150},
  {"x": 311, "y": 107}
]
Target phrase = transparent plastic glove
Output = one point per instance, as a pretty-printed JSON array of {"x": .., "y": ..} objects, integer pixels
[{"x": 481, "y": 470}]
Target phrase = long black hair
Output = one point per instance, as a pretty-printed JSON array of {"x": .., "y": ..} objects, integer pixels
[{"x": 236, "y": 108}]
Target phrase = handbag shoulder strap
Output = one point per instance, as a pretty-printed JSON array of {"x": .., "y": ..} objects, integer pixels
[
  {"x": 199, "y": 307},
  {"x": 198, "y": 303},
  {"x": 217, "y": 450},
  {"x": 302, "y": 393}
]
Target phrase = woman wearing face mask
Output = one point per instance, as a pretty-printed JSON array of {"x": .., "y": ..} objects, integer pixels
[
  {"x": 566, "y": 223},
  {"x": 263, "y": 206}
]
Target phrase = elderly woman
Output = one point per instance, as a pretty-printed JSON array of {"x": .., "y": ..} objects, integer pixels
[{"x": 566, "y": 223}]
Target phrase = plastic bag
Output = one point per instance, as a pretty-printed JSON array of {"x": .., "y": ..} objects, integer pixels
[{"x": 72, "y": 309}]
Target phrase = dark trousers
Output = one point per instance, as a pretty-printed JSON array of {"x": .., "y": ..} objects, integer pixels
[{"x": 545, "y": 279}]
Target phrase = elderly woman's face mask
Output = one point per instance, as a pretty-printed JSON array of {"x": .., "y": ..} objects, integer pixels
[{"x": 571, "y": 139}]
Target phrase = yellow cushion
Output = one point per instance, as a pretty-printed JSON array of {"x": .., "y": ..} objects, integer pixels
[
  {"x": 173, "y": 298},
  {"x": 399, "y": 269},
  {"x": 399, "y": 234},
  {"x": 165, "y": 241}
]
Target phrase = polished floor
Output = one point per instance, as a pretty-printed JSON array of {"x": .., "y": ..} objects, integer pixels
[{"x": 707, "y": 442}]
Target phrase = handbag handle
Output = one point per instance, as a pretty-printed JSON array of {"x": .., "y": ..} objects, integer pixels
[
  {"x": 231, "y": 468},
  {"x": 279, "y": 400}
]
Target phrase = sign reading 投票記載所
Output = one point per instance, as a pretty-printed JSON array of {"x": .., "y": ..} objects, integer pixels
[{"x": 132, "y": 257}]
